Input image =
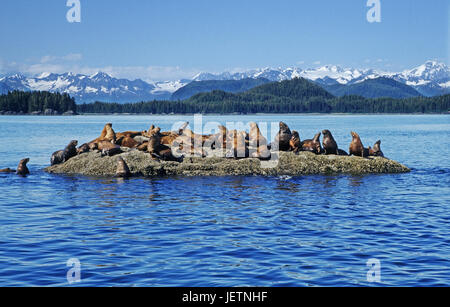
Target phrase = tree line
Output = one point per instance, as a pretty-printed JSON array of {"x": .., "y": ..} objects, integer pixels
[
  {"x": 220, "y": 102},
  {"x": 28, "y": 102},
  {"x": 346, "y": 104}
]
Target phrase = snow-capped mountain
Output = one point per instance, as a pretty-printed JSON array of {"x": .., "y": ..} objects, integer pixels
[
  {"x": 429, "y": 79},
  {"x": 97, "y": 87}
]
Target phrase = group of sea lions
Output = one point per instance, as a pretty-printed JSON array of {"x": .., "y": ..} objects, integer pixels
[
  {"x": 290, "y": 141},
  {"x": 174, "y": 145}
]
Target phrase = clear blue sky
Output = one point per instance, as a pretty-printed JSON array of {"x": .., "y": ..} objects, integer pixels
[{"x": 169, "y": 39}]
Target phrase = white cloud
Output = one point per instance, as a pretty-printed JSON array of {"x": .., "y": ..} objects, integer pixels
[{"x": 70, "y": 63}]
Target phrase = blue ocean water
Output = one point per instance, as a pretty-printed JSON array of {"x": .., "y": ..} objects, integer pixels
[{"x": 228, "y": 231}]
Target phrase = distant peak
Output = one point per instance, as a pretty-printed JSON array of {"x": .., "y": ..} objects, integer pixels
[{"x": 100, "y": 74}]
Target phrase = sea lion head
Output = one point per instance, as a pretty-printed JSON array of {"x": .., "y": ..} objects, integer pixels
[
  {"x": 73, "y": 143},
  {"x": 284, "y": 127},
  {"x": 326, "y": 133},
  {"x": 354, "y": 135},
  {"x": 24, "y": 161}
]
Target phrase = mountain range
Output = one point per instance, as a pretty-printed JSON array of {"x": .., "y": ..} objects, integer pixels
[{"x": 430, "y": 79}]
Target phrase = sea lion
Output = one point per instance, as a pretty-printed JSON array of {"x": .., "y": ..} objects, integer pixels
[
  {"x": 108, "y": 149},
  {"x": 83, "y": 149},
  {"x": 123, "y": 170},
  {"x": 283, "y": 138},
  {"x": 330, "y": 146},
  {"x": 376, "y": 150},
  {"x": 22, "y": 169},
  {"x": 93, "y": 146},
  {"x": 110, "y": 134},
  {"x": 218, "y": 141},
  {"x": 154, "y": 142},
  {"x": 256, "y": 139},
  {"x": 143, "y": 146},
  {"x": 295, "y": 143},
  {"x": 131, "y": 134},
  {"x": 160, "y": 151},
  {"x": 128, "y": 142},
  {"x": 57, "y": 157},
  {"x": 70, "y": 151},
  {"x": 313, "y": 145},
  {"x": 239, "y": 145},
  {"x": 7, "y": 170},
  {"x": 357, "y": 147},
  {"x": 62, "y": 156}
]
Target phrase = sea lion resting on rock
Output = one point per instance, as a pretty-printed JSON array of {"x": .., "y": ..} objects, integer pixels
[
  {"x": 108, "y": 149},
  {"x": 22, "y": 169},
  {"x": 239, "y": 148},
  {"x": 376, "y": 150},
  {"x": 168, "y": 138},
  {"x": 158, "y": 150},
  {"x": 127, "y": 141},
  {"x": 83, "y": 149},
  {"x": 123, "y": 170},
  {"x": 295, "y": 143},
  {"x": 110, "y": 134},
  {"x": 330, "y": 146},
  {"x": 357, "y": 147},
  {"x": 313, "y": 145},
  {"x": 62, "y": 156},
  {"x": 256, "y": 139},
  {"x": 107, "y": 134},
  {"x": 283, "y": 138}
]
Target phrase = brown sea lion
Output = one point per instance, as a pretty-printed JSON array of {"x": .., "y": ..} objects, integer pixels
[
  {"x": 93, "y": 146},
  {"x": 7, "y": 170},
  {"x": 128, "y": 142},
  {"x": 57, "y": 157},
  {"x": 357, "y": 147},
  {"x": 131, "y": 134},
  {"x": 62, "y": 156},
  {"x": 108, "y": 149},
  {"x": 295, "y": 143},
  {"x": 256, "y": 139},
  {"x": 143, "y": 146},
  {"x": 160, "y": 151},
  {"x": 376, "y": 150},
  {"x": 283, "y": 138},
  {"x": 22, "y": 169},
  {"x": 110, "y": 134},
  {"x": 154, "y": 143},
  {"x": 330, "y": 146},
  {"x": 313, "y": 145},
  {"x": 123, "y": 170},
  {"x": 83, "y": 149},
  {"x": 70, "y": 151},
  {"x": 239, "y": 145},
  {"x": 219, "y": 140}
]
